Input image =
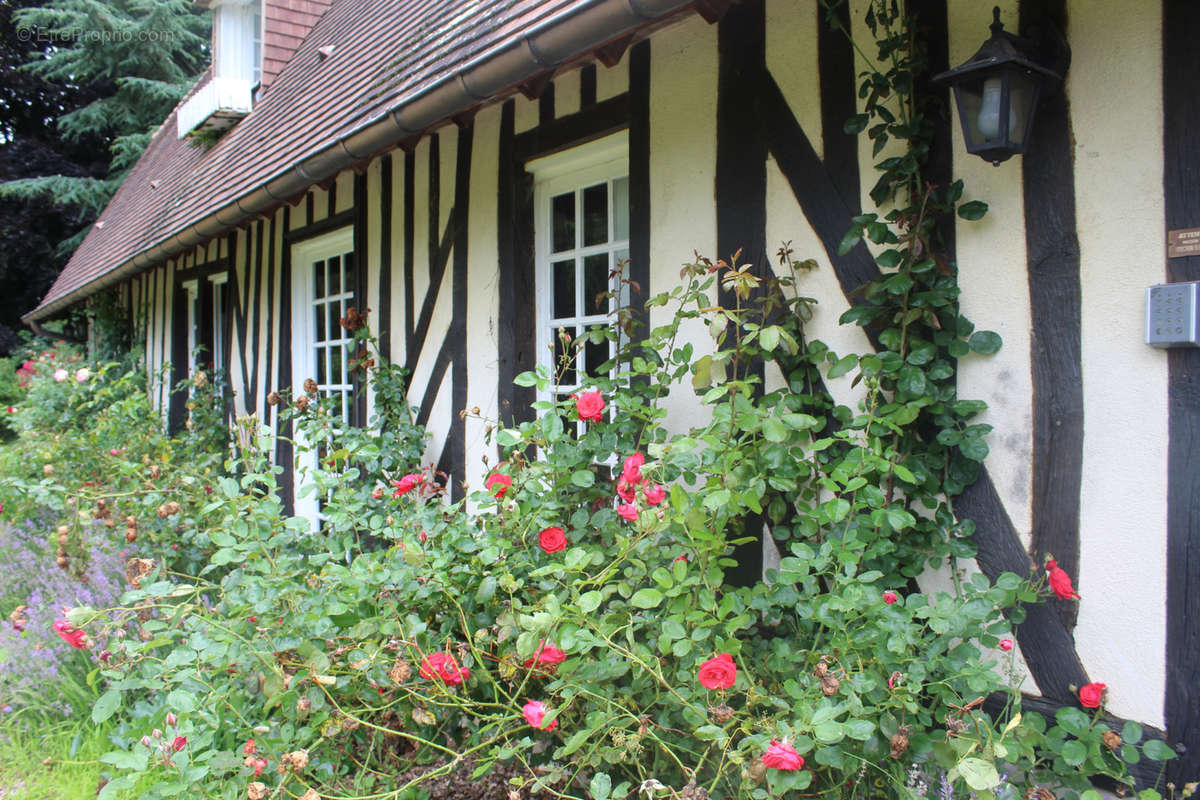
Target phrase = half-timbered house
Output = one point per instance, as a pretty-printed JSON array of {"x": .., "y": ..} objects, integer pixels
[{"x": 471, "y": 169}]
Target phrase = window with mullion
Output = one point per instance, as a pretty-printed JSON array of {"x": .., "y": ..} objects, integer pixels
[{"x": 333, "y": 293}]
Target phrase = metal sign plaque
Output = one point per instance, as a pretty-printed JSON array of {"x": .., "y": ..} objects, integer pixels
[{"x": 1183, "y": 242}]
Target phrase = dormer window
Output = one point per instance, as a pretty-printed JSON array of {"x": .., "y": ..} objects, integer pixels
[
  {"x": 237, "y": 48},
  {"x": 237, "y": 39}
]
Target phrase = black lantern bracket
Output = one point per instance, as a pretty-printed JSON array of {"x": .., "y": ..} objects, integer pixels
[{"x": 997, "y": 90}]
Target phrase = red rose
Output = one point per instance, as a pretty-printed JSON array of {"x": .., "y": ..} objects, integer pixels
[
  {"x": 632, "y": 473},
  {"x": 718, "y": 673},
  {"x": 498, "y": 479},
  {"x": 781, "y": 755},
  {"x": 890, "y": 597},
  {"x": 1092, "y": 695},
  {"x": 590, "y": 406},
  {"x": 444, "y": 667},
  {"x": 1006, "y": 644},
  {"x": 407, "y": 483},
  {"x": 547, "y": 655},
  {"x": 626, "y": 491},
  {"x": 628, "y": 512},
  {"x": 249, "y": 747},
  {"x": 179, "y": 743},
  {"x": 654, "y": 494},
  {"x": 1060, "y": 581},
  {"x": 70, "y": 635},
  {"x": 552, "y": 539},
  {"x": 377, "y": 493}
]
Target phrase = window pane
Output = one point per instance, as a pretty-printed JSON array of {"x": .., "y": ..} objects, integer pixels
[
  {"x": 334, "y": 324},
  {"x": 620, "y": 209},
  {"x": 319, "y": 310},
  {"x": 564, "y": 350},
  {"x": 322, "y": 376},
  {"x": 335, "y": 275},
  {"x": 318, "y": 279},
  {"x": 564, "y": 289},
  {"x": 595, "y": 214},
  {"x": 621, "y": 259},
  {"x": 594, "y": 355},
  {"x": 348, "y": 265},
  {"x": 595, "y": 283},
  {"x": 562, "y": 212},
  {"x": 335, "y": 365}
]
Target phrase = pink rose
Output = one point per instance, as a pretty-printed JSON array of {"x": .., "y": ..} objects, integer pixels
[
  {"x": 172, "y": 719},
  {"x": 890, "y": 597},
  {"x": 1092, "y": 695},
  {"x": 444, "y": 667},
  {"x": 654, "y": 494},
  {"x": 626, "y": 491},
  {"x": 407, "y": 484},
  {"x": 1006, "y": 644},
  {"x": 628, "y": 511},
  {"x": 82, "y": 374},
  {"x": 535, "y": 712},
  {"x": 552, "y": 539},
  {"x": 60, "y": 375},
  {"x": 498, "y": 484},
  {"x": 116, "y": 451},
  {"x": 781, "y": 755},
  {"x": 632, "y": 473},
  {"x": 718, "y": 673},
  {"x": 377, "y": 493},
  {"x": 590, "y": 406}
]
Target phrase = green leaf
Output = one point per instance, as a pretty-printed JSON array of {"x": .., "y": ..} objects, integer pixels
[
  {"x": 985, "y": 342},
  {"x": 507, "y": 437},
  {"x": 980, "y": 775},
  {"x": 525, "y": 379},
  {"x": 106, "y": 706},
  {"x": 860, "y": 729},
  {"x": 1131, "y": 733},
  {"x": 1157, "y": 750},
  {"x": 583, "y": 478},
  {"x": 849, "y": 240},
  {"x": 1074, "y": 752},
  {"x": 973, "y": 210},
  {"x": 181, "y": 701},
  {"x": 486, "y": 590},
  {"x": 843, "y": 365},
  {"x": 589, "y": 602},
  {"x": 774, "y": 430},
  {"x": 601, "y": 786},
  {"x": 828, "y": 732},
  {"x": 646, "y": 598},
  {"x": 768, "y": 337}
]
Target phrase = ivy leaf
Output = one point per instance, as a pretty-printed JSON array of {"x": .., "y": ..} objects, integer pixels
[
  {"x": 985, "y": 342},
  {"x": 856, "y": 124},
  {"x": 973, "y": 210}
]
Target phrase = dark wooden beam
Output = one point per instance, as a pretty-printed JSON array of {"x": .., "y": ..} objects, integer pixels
[
  {"x": 639, "y": 179},
  {"x": 611, "y": 54},
  {"x": 599, "y": 119},
  {"x": 835, "y": 57},
  {"x": 454, "y": 452},
  {"x": 533, "y": 87},
  {"x": 741, "y": 188},
  {"x": 546, "y": 105},
  {"x": 515, "y": 332},
  {"x": 587, "y": 85},
  {"x": 1181, "y": 190},
  {"x": 284, "y": 455},
  {"x": 1052, "y": 255}
]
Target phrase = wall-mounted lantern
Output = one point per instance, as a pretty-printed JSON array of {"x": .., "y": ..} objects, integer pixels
[{"x": 997, "y": 92}]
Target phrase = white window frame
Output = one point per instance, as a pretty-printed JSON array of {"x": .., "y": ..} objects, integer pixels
[
  {"x": 304, "y": 330},
  {"x": 603, "y": 160},
  {"x": 192, "y": 291},
  {"x": 217, "y": 283}
]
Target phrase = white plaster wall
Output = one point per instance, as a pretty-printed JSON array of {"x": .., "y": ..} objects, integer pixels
[
  {"x": 483, "y": 286},
  {"x": 612, "y": 81},
  {"x": 683, "y": 157},
  {"x": 420, "y": 255},
  {"x": 398, "y": 342},
  {"x": 1115, "y": 95},
  {"x": 995, "y": 284},
  {"x": 566, "y": 93},
  {"x": 792, "y": 59}
]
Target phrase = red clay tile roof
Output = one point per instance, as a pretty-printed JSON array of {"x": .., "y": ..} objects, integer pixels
[
  {"x": 385, "y": 54},
  {"x": 285, "y": 24}
]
